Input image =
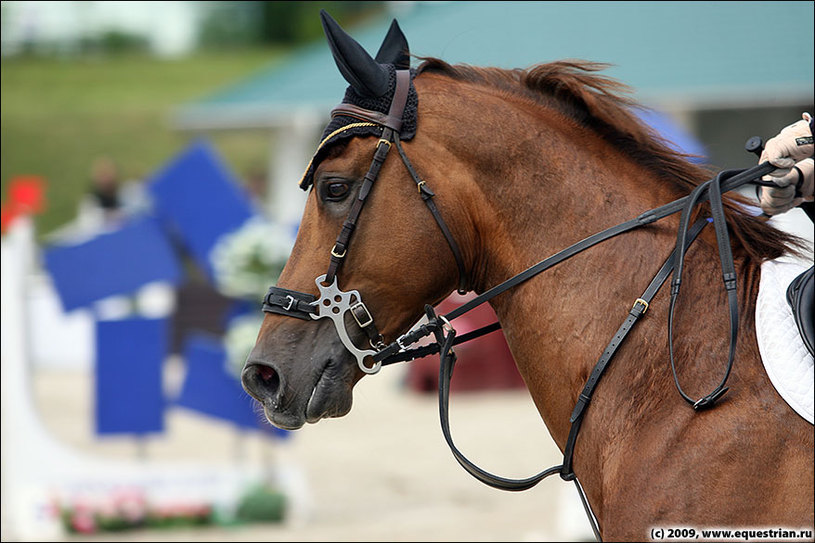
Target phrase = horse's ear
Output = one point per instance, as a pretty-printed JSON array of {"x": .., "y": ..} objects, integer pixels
[
  {"x": 362, "y": 72},
  {"x": 394, "y": 49}
]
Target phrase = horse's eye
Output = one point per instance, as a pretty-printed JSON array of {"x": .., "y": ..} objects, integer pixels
[{"x": 336, "y": 191}]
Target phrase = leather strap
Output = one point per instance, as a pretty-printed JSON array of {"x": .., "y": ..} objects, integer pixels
[
  {"x": 447, "y": 356},
  {"x": 448, "y": 360},
  {"x": 356, "y": 112},
  {"x": 587, "y": 508},
  {"x": 391, "y": 122},
  {"x": 392, "y": 354},
  {"x": 427, "y": 195},
  {"x": 714, "y": 190},
  {"x": 365, "y": 321},
  {"x": 396, "y": 110},
  {"x": 340, "y": 248},
  {"x": 732, "y": 180},
  {"x": 639, "y": 308},
  {"x": 392, "y": 119},
  {"x": 290, "y": 303},
  {"x": 447, "y": 363}
]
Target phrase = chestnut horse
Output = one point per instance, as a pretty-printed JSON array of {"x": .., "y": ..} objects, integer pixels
[{"x": 524, "y": 163}]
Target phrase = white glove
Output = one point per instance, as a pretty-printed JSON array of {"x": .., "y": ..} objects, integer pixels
[
  {"x": 793, "y": 144},
  {"x": 775, "y": 200}
]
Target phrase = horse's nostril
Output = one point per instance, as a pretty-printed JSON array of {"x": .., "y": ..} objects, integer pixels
[
  {"x": 267, "y": 373},
  {"x": 261, "y": 382}
]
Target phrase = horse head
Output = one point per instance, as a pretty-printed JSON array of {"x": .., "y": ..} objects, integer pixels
[{"x": 396, "y": 261}]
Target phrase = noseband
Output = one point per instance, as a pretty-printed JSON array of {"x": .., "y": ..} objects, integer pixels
[{"x": 333, "y": 303}]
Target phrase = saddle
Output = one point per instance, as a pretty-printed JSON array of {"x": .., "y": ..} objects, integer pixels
[
  {"x": 799, "y": 297},
  {"x": 784, "y": 353}
]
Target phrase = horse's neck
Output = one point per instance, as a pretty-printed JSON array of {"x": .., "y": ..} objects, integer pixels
[
  {"x": 534, "y": 186},
  {"x": 557, "y": 324}
]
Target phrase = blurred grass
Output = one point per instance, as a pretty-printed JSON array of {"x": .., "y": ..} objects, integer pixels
[{"x": 58, "y": 115}]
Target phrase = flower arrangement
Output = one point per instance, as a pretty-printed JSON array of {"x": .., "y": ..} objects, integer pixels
[
  {"x": 251, "y": 258},
  {"x": 128, "y": 509},
  {"x": 245, "y": 263}
]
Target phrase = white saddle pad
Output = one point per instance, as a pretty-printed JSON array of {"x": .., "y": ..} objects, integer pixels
[{"x": 786, "y": 359}]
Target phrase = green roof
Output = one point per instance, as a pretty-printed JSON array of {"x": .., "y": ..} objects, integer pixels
[{"x": 698, "y": 54}]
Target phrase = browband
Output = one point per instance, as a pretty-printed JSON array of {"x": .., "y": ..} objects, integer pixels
[{"x": 393, "y": 122}]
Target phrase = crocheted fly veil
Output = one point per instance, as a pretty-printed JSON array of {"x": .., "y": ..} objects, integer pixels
[{"x": 372, "y": 84}]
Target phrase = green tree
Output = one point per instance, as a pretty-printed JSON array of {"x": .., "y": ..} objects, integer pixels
[{"x": 239, "y": 24}]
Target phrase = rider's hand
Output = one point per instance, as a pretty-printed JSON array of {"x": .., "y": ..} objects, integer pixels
[
  {"x": 793, "y": 144},
  {"x": 792, "y": 189}
]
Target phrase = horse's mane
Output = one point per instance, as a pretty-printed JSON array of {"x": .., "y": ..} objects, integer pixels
[{"x": 603, "y": 105}]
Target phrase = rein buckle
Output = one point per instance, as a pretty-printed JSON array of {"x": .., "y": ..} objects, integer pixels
[
  {"x": 643, "y": 303},
  {"x": 402, "y": 346}
]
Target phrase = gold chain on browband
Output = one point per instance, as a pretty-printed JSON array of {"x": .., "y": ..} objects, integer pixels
[{"x": 328, "y": 137}]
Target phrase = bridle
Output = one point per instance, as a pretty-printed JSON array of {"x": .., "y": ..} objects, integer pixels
[{"x": 334, "y": 303}]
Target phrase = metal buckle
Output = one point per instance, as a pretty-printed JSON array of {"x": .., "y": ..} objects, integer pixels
[
  {"x": 334, "y": 252},
  {"x": 446, "y": 324},
  {"x": 402, "y": 346},
  {"x": 379, "y": 344},
  {"x": 368, "y": 313},
  {"x": 419, "y": 186},
  {"x": 640, "y": 301},
  {"x": 383, "y": 140},
  {"x": 291, "y": 300}
]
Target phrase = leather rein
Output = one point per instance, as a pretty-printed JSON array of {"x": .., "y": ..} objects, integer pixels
[{"x": 334, "y": 303}]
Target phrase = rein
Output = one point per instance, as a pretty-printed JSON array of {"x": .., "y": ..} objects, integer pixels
[
  {"x": 334, "y": 303},
  {"x": 445, "y": 334}
]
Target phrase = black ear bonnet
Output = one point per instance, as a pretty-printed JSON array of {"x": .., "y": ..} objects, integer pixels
[{"x": 343, "y": 127}]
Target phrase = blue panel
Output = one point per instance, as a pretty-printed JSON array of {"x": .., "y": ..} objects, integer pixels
[
  {"x": 129, "y": 357},
  {"x": 210, "y": 389},
  {"x": 117, "y": 262},
  {"x": 674, "y": 134},
  {"x": 199, "y": 200},
  {"x": 241, "y": 308}
]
